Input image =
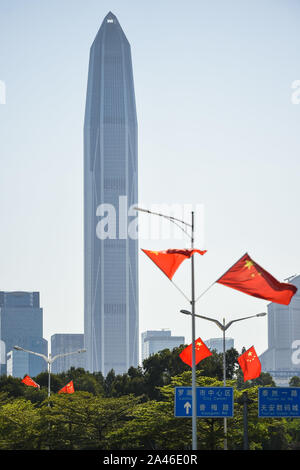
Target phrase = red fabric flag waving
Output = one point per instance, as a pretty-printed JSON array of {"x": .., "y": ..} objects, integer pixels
[
  {"x": 250, "y": 364},
  {"x": 248, "y": 277},
  {"x": 69, "y": 388},
  {"x": 201, "y": 352},
  {"x": 28, "y": 381},
  {"x": 170, "y": 260}
]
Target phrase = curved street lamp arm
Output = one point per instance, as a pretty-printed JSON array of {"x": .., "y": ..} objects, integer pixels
[
  {"x": 18, "y": 348},
  {"x": 65, "y": 354},
  {"x": 169, "y": 217},
  {"x": 238, "y": 319},
  {"x": 219, "y": 324}
]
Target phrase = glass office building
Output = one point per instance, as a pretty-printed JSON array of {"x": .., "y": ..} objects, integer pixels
[
  {"x": 21, "y": 324},
  {"x": 110, "y": 190},
  {"x": 65, "y": 343},
  {"x": 217, "y": 344},
  {"x": 282, "y": 358},
  {"x": 154, "y": 341}
]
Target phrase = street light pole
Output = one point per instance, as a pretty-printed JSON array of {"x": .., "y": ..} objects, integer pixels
[
  {"x": 194, "y": 397},
  {"x": 223, "y": 327},
  {"x": 224, "y": 381},
  {"x": 49, "y": 360},
  {"x": 192, "y": 302}
]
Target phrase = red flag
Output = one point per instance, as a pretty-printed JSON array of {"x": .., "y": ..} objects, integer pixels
[
  {"x": 170, "y": 260},
  {"x": 69, "y": 388},
  {"x": 201, "y": 352},
  {"x": 250, "y": 364},
  {"x": 28, "y": 381},
  {"x": 248, "y": 277}
]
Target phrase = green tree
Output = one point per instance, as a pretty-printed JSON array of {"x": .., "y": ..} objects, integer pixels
[
  {"x": 20, "y": 425},
  {"x": 82, "y": 420},
  {"x": 294, "y": 381}
]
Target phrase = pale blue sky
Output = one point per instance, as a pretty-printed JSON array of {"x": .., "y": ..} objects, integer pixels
[{"x": 216, "y": 127}]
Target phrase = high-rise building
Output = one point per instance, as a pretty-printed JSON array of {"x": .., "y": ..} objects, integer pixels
[
  {"x": 110, "y": 192},
  {"x": 282, "y": 358},
  {"x": 217, "y": 344},
  {"x": 21, "y": 324},
  {"x": 67, "y": 343},
  {"x": 154, "y": 341}
]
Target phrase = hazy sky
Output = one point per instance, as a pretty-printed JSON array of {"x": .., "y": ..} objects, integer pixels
[{"x": 217, "y": 127}]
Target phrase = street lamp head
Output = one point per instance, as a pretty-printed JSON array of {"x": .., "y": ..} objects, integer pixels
[
  {"x": 186, "y": 312},
  {"x": 18, "y": 348},
  {"x": 262, "y": 314},
  {"x": 81, "y": 350}
]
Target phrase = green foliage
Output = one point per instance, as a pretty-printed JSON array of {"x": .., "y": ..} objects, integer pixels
[
  {"x": 20, "y": 424},
  {"x": 295, "y": 381},
  {"x": 135, "y": 410}
]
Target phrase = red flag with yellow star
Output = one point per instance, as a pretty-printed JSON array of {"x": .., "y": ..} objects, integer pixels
[
  {"x": 248, "y": 277},
  {"x": 29, "y": 381},
  {"x": 201, "y": 352},
  {"x": 250, "y": 364},
  {"x": 69, "y": 388},
  {"x": 170, "y": 260}
]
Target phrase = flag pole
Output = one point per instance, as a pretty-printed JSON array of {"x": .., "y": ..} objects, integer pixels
[{"x": 194, "y": 410}]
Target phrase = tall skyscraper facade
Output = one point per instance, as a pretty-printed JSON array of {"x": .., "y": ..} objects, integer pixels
[
  {"x": 282, "y": 358},
  {"x": 110, "y": 192},
  {"x": 21, "y": 324}
]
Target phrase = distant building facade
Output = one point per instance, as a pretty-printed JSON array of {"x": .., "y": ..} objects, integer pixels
[
  {"x": 21, "y": 324},
  {"x": 217, "y": 344},
  {"x": 20, "y": 363},
  {"x": 282, "y": 358},
  {"x": 66, "y": 343},
  {"x": 154, "y": 341}
]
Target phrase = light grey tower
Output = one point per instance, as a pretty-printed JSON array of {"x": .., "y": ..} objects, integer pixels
[
  {"x": 110, "y": 190},
  {"x": 282, "y": 358}
]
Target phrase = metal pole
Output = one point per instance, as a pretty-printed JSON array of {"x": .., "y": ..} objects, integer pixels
[
  {"x": 245, "y": 404},
  {"x": 224, "y": 382},
  {"x": 49, "y": 375},
  {"x": 194, "y": 411}
]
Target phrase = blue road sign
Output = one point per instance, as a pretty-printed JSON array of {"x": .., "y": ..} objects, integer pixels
[
  {"x": 212, "y": 402},
  {"x": 279, "y": 402}
]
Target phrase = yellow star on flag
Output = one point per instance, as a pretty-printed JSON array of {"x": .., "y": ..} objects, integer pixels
[{"x": 248, "y": 264}]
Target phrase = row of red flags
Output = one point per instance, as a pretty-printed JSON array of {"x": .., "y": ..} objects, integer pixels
[
  {"x": 69, "y": 388},
  {"x": 248, "y": 361},
  {"x": 245, "y": 275}
]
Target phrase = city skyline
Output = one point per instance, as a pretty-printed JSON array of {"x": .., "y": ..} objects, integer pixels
[{"x": 215, "y": 105}]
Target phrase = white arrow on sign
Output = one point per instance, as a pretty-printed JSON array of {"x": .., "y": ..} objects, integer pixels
[{"x": 187, "y": 407}]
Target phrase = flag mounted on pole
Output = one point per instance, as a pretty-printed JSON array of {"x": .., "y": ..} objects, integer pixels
[
  {"x": 30, "y": 382},
  {"x": 170, "y": 260},
  {"x": 69, "y": 388},
  {"x": 248, "y": 277},
  {"x": 250, "y": 364},
  {"x": 201, "y": 352}
]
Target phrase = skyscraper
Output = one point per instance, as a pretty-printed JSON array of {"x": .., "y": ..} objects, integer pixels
[
  {"x": 282, "y": 358},
  {"x": 21, "y": 324},
  {"x": 110, "y": 190}
]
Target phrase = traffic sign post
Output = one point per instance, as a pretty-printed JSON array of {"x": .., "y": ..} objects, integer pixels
[
  {"x": 212, "y": 402},
  {"x": 279, "y": 402}
]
